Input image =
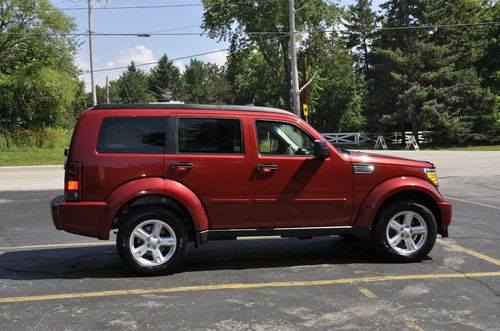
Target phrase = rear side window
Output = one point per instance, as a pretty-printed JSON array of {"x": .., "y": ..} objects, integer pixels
[
  {"x": 210, "y": 135},
  {"x": 133, "y": 135}
]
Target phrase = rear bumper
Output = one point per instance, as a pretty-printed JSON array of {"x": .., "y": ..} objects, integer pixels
[
  {"x": 83, "y": 218},
  {"x": 446, "y": 212}
]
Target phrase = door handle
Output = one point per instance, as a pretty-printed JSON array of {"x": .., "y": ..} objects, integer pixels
[
  {"x": 181, "y": 165},
  {"x": 266, "y": 168}
]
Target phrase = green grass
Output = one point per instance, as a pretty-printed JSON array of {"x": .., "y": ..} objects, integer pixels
[
  {"x": 31, "y": 156},
  {"x": 24, "y": 150}
]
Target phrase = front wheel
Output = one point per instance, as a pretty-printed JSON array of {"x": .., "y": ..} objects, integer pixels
[
  {"x": 405, "y": 231},
  {"x": 152, "y": 241}
]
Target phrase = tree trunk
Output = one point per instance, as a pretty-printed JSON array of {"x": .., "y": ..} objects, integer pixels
[{"x": 365, "y": 51}]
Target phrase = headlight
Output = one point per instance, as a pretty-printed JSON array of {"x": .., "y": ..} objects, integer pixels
[{"x": 431, "y": 175}]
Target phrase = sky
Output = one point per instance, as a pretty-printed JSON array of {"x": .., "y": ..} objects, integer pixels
[{"x": 117, "y": 51}]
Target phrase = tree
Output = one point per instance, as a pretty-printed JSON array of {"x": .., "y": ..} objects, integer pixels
[
  {"x": 30, "y": 31},
  {"x": 38, "y": 78},
  {"x": 488, "y": 63},
  {"x": 469, "y": 47},
  {"x": 264, "y": 25},
  {"x": 424, "y": 79},
  {"x": 334, "y": 98},
  {"x": 251, "y": 81},
  {"x": 41, "y": 96},
  {"x": 164, "y": 77},
  {"x": 360, "y": 26},
  {"x": 131, "y": 87},
  {"x": 100, "y": 94},
  {"x": 204, "y": 83}
]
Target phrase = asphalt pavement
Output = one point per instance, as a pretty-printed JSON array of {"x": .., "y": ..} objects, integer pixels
[{"x": 55, "y": 280}]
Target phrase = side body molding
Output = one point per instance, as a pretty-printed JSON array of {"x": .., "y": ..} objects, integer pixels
[
  {"x": 149, "y": 186},
  {"x": 369, "y": 208}
]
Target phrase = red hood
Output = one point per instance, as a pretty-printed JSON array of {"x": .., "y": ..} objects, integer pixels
[{"x": 372, "y": 158}]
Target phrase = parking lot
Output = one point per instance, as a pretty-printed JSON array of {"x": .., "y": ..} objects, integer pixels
[{"x": 54, "y": 280}]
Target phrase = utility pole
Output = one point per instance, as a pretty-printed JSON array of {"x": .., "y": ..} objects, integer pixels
[
  {"x": 94, "y": 96},
  {"x": 293, "y": 59},
  {"x": 107, "y": 90},
  {"x": 306, "y": 90}
]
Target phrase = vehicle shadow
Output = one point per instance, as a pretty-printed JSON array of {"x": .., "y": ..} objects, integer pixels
[{"x": 104, "y": 262}]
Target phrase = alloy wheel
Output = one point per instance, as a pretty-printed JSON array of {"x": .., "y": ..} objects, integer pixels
[
  {"x": 152, "y": 243},
  {"x": 406, "y": 232}
]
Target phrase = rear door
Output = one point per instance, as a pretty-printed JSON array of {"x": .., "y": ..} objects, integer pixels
[
  {"x": 212, "y": 159},
  {"x": 292, "y": 187}
]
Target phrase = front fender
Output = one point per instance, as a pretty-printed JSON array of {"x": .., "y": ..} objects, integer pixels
[
  {"x": 369, "y": 208},
  {"x": 153, "y": 186}
]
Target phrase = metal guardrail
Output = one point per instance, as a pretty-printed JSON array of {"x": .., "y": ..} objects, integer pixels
[{"x": 363, "y": 138}]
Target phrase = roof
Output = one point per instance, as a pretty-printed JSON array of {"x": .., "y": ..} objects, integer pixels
[{"x": 188, "y": 106}]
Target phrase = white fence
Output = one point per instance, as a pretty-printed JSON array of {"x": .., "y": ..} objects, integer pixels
[{"x": 363, "y": 138}]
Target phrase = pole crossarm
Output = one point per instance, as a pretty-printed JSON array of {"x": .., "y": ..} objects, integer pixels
[{"x": 307, "y": 84}]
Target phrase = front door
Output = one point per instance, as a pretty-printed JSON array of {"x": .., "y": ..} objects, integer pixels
[
  {"x": 213, "y": 160},
  {"x": 292, "y": 187}
]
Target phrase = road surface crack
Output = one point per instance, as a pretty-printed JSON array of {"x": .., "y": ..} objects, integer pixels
[{"x": 469, "y": 278}]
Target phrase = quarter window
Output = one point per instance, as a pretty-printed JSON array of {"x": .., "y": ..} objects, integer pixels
[
  {"x": 278, "y": 138},
  {"x": 134, "y": 135},
  {"x": 210, "y": 135}
]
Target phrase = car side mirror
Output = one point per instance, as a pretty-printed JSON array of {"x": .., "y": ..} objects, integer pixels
[{"x": 321, "y": 149}]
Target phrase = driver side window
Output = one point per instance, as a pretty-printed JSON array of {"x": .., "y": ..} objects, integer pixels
[{"x": 278, "y": 138}]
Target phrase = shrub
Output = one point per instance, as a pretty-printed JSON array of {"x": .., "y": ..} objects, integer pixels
[{"x": 40, "y": 138}]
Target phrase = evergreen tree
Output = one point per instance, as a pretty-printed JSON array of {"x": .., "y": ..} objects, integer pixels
[
  {"x": 389, "y": 76},
  {"x": 204, "y": 83},
  {"x": 360, "y": 26},
  {"x": 488, "y": 64},
  {"x": 164, "y": 77},
  {"x": 467, "y": 95},
  {"x": 424, "y": 79},
  {"x": 131, "y": 87}
]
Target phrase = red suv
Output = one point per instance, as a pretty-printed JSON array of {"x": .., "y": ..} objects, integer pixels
[{"x": 167, "y": 174}]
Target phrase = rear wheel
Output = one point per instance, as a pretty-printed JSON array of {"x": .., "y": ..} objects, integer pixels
[
  {"x": 405, "y": 231},
  {"x": 152, "y": 241}
]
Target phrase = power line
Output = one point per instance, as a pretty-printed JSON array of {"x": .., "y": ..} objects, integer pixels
[
  {"x": 136, "y": 34},
  {"x": 164, "y": 30},
  {"x": 146, "y": 34},
  {"x": 416, "y": 27},
  {"x": 156, "y": 62},
  {"x": 252, "y": 2},
  {"x": 125, "y": 7},
  {"x": 176, "y": 29},
  {"x": 174, "y": 59}
]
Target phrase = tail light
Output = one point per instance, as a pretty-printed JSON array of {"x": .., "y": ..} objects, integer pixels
[{"x": 72, "y": 181}]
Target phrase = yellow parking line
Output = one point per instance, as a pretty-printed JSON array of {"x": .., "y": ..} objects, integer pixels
[
  {"x": 199, "y": 288},
  {"x": 469, "y": 251},
  {"x": 13, "y": 248},
  {"x": 394, "y": 313},
  {"x": 367, "y": 293},
  {"x": 473, "y": 203}
]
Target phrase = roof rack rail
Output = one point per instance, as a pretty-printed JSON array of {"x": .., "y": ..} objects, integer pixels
[{"x": 189, "y": 106}]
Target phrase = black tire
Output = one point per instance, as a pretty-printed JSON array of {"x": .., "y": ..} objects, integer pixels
[
  {"x": 422, "y": 220},
  {"x": 159, "y": 216}
]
